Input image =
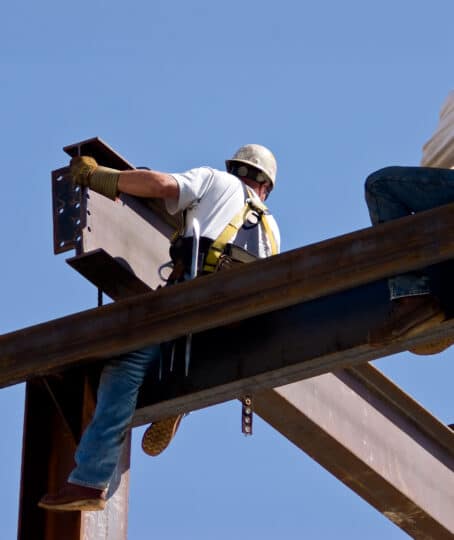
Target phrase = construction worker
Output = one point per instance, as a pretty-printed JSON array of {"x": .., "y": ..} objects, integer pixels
[
  {"x": 394, "y": 192},
  {"x": 229, "y": 207}
]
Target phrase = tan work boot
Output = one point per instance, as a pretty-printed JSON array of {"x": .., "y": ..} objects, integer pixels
[
  {"x": 408, "y": 315},
  {"x": 433, "y": 347},
  {"x": 159, "y": 435},
  {"x": 72, "y": 497}
]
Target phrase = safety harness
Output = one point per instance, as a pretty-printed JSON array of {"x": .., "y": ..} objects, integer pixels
[
  {"x": 217, "y": 248},
  {"x": 216, "y": 255},
  {"x": 213, "y": 252}
]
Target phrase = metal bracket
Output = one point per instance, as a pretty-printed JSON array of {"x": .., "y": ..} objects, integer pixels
[
  {"x": 68, "y": 201},
  {"x": 68, "y": 211}
]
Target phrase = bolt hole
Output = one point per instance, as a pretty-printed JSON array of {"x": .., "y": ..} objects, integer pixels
[
  {"x": 61, "y": 244},
  {"x": 59, "y": 178},
  {"x": 61, "y": 210},
  {"x": 89, "y": 229},
  {"x": 77, "y": 205}
]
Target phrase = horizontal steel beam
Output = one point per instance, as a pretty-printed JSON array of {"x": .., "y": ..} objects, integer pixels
[
  {"x": 279, "y": 348},
  {"x": 264, "y": 286},
  {"x": 375, "y": 439}
]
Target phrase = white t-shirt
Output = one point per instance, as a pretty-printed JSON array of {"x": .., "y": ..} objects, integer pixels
[{"x": 214, "y": 198}]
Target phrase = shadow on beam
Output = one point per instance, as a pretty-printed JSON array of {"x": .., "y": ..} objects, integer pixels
[{"x": 282, "y": 347}]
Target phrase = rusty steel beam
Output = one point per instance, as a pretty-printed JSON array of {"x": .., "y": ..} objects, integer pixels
[
  {"x": 375, "y": 439},
  {"x": 47, "y": 456},
  {"x": 264, "y": 286},
  {"x": 283, "y": 347},
  {"x": 56, "y": 412}
]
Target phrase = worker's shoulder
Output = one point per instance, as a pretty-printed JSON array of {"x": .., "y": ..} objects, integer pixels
[
  {"x": 206, "y": 170},
  {"x": 216, "y": 172},
  {"x": 221, "y": 177}
]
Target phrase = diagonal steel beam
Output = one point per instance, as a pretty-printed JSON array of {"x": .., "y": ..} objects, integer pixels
[{"x": 375, "y": 439}]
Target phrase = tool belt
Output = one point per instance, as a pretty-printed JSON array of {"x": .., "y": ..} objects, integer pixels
[
  {"x": 181, "y": 255},
  {"x": 214, "y": 255},
  {"x": 232, "y": 256}
]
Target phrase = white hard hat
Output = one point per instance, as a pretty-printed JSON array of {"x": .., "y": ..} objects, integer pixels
[{"x": 259, "y": 157}]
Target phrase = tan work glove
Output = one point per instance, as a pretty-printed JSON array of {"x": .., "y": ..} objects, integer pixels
[{"x": 86, "y": 172}]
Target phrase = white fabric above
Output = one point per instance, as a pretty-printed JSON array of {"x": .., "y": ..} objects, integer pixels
[
  {"x": 214, "y": 198},
  {"x": 439, "y": 149}
]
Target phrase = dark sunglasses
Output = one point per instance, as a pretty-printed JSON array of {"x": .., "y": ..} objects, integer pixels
[{"x": 248, "y": 171}]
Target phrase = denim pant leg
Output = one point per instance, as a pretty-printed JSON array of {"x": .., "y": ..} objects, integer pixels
[
  {"x": 396, "y": 192},
  {"x": 100, "y": 446}
]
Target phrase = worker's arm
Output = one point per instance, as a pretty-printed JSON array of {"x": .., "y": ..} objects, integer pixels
[
  {"x": 109, "y": 182},
  {"x": 148, "y": 184}
]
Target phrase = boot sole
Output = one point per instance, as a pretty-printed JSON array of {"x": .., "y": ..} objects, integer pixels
[
  {"x": 424, "y": 324},
  {"x": 159, "y": 435},
  {"x": 433, "y": 347},
  {"x": 85, "y": 505},
  {"x": 437, "y": 318}
]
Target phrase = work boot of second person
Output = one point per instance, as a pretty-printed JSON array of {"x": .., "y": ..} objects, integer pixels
[
  {"x": 158, "y": 436},
  {"x": 408, "y": 315}
]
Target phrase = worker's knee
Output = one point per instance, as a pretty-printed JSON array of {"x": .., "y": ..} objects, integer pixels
[{"x": 381, "y": 177}]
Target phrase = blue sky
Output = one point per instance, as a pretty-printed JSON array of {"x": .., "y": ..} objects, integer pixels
[{"x": 335, "y": 89}]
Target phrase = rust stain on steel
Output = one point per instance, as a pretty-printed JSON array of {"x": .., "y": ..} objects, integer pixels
[
  {"x": 47, "y": 457},
  {"x": 247, "y": 291}
]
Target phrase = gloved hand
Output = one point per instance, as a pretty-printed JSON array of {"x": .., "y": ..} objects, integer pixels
[
  {"x": 81, "y": 168},
  {"x": 86, "y": 172}
]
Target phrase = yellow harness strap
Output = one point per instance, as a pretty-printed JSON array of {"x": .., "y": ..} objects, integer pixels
[
  {"x": 217, "y": 247},
  {"x": 269, "y": 234}
]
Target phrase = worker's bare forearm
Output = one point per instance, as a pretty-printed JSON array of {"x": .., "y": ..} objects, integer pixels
[{"x": 150, "y": 184}]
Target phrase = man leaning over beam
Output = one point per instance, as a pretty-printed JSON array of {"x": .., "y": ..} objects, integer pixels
[
  {"x": 395, "y": 192},
  {"x": 229, "y": 207}
]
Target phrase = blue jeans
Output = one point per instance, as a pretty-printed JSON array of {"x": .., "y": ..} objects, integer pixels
[
  {"x": 396, "y": 192},
  {"x": 100, "y": 446}
]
